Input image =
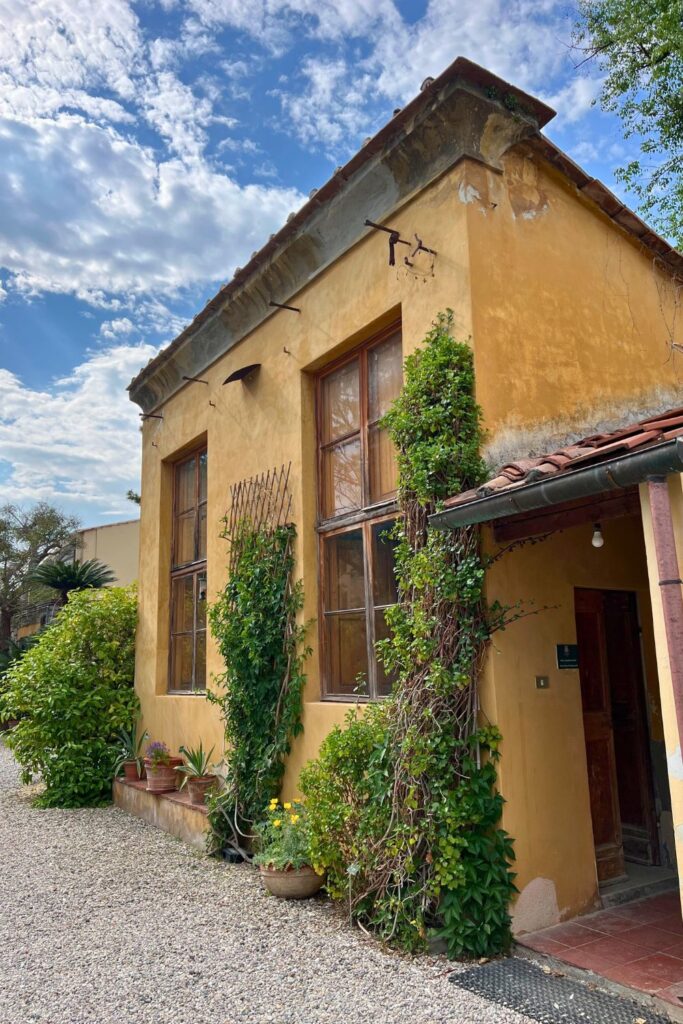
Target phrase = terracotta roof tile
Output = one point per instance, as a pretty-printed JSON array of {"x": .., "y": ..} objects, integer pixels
[{"x": 590, "y": 449}]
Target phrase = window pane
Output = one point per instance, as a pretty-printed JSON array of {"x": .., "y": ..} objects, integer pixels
[
  {"x": 184, "y": 539},
  {"x": 342, "y": 478},
  {"x": 182, "y": 663},
  {"x": 185, "y": 496},
  {"x": 340, "y": 402},
  {"x": 344, "y": 571},
  {"x": 201, "y": 600},
  {"x": 183, "y": 604},
  {"x": 202, "y": 533},
  {"x": 383, "y": 467},
  {"x": 384, "y": 681},
  {"x": 200, "y": 662},
  {"x": 202, "y": 477},
  {"x": 347, "y": 654},
  {"x": 384, "y": 586},
  {"x": 385, "y": 376}
]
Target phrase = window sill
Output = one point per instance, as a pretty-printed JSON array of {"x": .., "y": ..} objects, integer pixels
[{"x": 371, "y": 512}]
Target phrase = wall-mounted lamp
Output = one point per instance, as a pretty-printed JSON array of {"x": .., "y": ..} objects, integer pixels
[{"x": 597, "y": 539}]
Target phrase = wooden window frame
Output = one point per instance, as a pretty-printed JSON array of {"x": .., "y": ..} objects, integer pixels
[
  {"x": 363, "y": 519},
  {"x": 194, "y": 568}
]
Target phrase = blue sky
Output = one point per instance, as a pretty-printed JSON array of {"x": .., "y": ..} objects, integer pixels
[{"x": 146, "y": 149}]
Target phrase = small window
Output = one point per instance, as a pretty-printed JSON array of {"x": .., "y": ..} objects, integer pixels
[
  {"x": 358, "y": 478},
  {"x": 188, "y": 576}
]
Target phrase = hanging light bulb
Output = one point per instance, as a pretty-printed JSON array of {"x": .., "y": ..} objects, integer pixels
[{"x": 598, "y": 540}]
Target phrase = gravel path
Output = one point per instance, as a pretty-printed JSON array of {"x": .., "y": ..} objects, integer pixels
[{"x": 106, "y": 920}]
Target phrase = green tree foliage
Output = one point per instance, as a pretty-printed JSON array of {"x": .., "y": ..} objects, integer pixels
[
  {"x": 639, "y": 45},
  {"x": 403, "y": 808},
  {"x": 73, "y": 693},
  {"x": 260, "y": 692},
  {"x": 26, "y": 538},
  {"x": 64, "y": 577}
]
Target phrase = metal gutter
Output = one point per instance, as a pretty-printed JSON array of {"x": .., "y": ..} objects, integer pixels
[{"x": 613, "y": 475}]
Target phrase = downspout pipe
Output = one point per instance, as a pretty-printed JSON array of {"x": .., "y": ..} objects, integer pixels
[
  {"x": 670, "y": 586},
  {"x": 616, "y": 474}
]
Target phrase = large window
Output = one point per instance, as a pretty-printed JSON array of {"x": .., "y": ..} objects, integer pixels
[
  {"x": 188, "y": 576},
  {"x": 358, "y": 475}
]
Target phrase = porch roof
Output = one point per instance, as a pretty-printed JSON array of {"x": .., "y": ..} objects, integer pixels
[{"x": 596, "y": 464}]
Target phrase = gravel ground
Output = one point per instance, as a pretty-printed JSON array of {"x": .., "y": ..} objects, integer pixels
[{"x": 105, "y": 919}]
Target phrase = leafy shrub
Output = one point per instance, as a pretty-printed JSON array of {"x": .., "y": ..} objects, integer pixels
[{"x": 73, "y": 693}]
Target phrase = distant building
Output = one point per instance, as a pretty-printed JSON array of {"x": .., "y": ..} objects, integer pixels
[{"x": 117, "y": 545}]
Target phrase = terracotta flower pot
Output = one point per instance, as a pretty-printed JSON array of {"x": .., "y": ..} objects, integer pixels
[
  {"x": 162, "y": 778},
  {"x": 130, "y": 771},
  {"x": 295, "y": 884},
  {"x": 198, "y": 786}
]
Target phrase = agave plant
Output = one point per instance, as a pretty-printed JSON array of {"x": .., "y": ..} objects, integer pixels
[
  {"x": 196, "y": 762},
  {"x": 67, "y": 576},
  {"x": 130, "y": 748}
]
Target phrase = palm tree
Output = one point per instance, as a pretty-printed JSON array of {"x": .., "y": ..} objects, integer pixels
[{"x": 67, "y": 576}]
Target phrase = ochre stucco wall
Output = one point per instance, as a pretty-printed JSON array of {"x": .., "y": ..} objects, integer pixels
[
  {"x": 571, "y": 321},
  {"x": 270, "y": 421},
  {"x": 543, "y": 774}
]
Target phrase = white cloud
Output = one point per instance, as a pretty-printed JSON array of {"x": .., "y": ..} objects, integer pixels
[
  {"x": 77, "y": 443},
  {"x": 92, "y": 213},
  {"x": 117, "y": 328},
  {"x": 331, "y": 111}
]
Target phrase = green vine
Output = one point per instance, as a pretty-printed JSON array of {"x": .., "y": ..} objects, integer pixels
[
  {"x": 254, "y": 622},
  {"x": 403, "y": 807}
]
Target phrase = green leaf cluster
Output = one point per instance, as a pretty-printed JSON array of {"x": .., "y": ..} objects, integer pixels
[
  {"x": 403, "y": 807},
  {"x": 73, "y": 694},
  {"x": 254, "y": 622},
  {"x": 639, "y": 47}
]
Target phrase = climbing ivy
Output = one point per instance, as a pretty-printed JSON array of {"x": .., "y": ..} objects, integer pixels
[
  {"x": 254, "y": 622},
  {"x": 402, "y": 804}
]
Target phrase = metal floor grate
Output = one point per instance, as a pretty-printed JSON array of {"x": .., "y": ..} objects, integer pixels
[{"x": 525, "y": 987}]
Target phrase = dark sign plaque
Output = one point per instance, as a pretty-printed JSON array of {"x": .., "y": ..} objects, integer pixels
[{"x": 567, "y": 655}]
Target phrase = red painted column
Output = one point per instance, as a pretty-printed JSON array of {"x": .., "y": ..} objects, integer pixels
[{"x": 670, "y": 586}]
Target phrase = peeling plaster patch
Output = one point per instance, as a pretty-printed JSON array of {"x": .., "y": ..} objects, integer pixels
[
  {"x": 500, "y": 133},
  {"x": 536, "y": 907},
  {"x": 522, "y": 441},
  {"x": 533, "y": 214},
  {"x": 675, "y": 765},
  {"x": 467, "y": 193}
]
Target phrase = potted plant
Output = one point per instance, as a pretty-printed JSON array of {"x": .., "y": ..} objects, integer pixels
[
  {"x": 283, "y": 856},
  {"x": 130, "y": 755},
  {"x": 196, "y": 772},
  {"x": 161, "y": 768}
]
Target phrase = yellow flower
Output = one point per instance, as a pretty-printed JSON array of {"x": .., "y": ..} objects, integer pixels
[
  {"x": 294, "y": 818},
  {"x": 287, "y": 807},
  {"x": 277, "y": 823}
]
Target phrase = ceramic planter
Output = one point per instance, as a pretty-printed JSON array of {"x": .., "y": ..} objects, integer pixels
[
  {"x": 130, "y": 771},
  {"x": 295, "y": 884},
  {"x": 198, "y": 786},
  {"x": 162, "y": 778}
]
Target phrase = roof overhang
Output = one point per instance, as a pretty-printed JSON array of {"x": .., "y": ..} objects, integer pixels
[
  {"x": 615, "y": 474},
  {"x": 445, "y": 123}
]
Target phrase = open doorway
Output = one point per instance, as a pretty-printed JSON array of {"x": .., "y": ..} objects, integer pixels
[{"x": 622, "y": 787}]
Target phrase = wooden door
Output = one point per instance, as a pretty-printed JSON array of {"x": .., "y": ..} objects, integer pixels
[
  {"x": 630, "y": 729},
  {"x": 597, "y": 724}
]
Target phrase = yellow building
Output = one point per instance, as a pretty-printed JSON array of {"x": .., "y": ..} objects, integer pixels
[
  {"x": 569, "y": 302},
  {"x": 114, "y": 544}
]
